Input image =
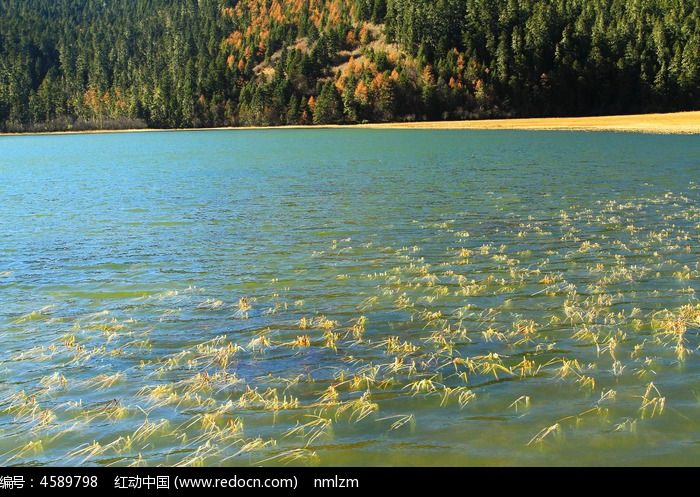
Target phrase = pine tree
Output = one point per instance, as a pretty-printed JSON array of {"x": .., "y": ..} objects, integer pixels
[{"x": 328, "y": 108}]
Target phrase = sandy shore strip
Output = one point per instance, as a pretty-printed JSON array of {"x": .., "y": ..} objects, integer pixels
[
  {"x": 671, "y": 123},
  {"x": 677, "y": 122}
]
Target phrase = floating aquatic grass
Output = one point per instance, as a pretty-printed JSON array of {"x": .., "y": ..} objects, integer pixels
[
  {"x": 544, "y": 433},
  {"x": 30, "y": 449},
  {"x": 464, "y": 395},
  {"x": 86, "y": 452},
  {"x": 400, "y": 421},
  {"x": 312, "y": 430},
  {"x": 149, "y": 430},
  {"x": 249, "y": 446},
  {"x": 298, "y": 456},
  {"x": 652, "y": 402},
  {"x": 359, "y": 408}
]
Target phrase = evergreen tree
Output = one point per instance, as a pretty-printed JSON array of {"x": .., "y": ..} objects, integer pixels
[{"x": 328, "y": 109}]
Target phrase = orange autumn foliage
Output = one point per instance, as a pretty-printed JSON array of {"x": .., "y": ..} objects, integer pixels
[{"x": 361, "y": 92}]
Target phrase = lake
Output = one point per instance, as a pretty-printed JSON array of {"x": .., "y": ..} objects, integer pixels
[{"x": 350, "y": 297}]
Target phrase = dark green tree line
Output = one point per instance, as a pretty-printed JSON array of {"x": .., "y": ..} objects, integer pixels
[{"x": 71, "y": 64}]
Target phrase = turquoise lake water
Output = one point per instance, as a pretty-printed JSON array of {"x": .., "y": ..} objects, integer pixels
[{"x": 348, "y": 297}]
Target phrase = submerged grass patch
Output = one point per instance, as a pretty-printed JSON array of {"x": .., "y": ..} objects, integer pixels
[{"x": 539, "y": 327}]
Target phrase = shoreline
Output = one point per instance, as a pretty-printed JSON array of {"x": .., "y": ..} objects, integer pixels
[
  {"x": 661, "y": 123},
  {"x": 670, "y": 123}
]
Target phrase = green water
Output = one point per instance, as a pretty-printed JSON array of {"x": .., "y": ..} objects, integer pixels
[{"x": 350, "y": 297}]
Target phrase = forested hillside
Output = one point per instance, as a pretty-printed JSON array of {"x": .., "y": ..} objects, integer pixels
[{"x": 79, "y": 64}]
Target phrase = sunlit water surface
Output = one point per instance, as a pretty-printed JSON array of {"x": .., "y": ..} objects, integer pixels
[{"x": 349, "y": 297}]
